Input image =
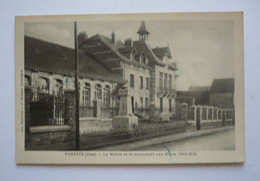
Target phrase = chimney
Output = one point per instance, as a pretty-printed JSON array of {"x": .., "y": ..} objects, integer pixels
[
  {"x": 129, "y": 42},
  {"x": 82, "y": 36},
  {"x": 113, "y": 37}
]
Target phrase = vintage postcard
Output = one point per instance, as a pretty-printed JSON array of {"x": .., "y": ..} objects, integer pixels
[{"x": 156, "y": 88}]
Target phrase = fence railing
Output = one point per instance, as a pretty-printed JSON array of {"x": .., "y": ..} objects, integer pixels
[
  {"x": 47, "y": 110},
  {"x": 95, "y": 139}
]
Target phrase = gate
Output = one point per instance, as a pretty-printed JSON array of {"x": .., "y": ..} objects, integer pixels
[{"x": 47, "y": 110}]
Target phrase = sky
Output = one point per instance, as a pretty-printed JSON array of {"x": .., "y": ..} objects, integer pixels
[{"x": 202, "y": 49}]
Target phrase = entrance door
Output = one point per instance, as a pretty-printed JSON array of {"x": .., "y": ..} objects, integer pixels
[{"x": 198, "y": 116}]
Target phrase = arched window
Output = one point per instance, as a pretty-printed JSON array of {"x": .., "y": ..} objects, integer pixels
[
  {"x": 86, "y": 94},
  {"x": 58, "y": 86},
  {"x": 98, "y": 92},
  {"x": 44, "y": 85},
  {"x": 106, "y": 96}
]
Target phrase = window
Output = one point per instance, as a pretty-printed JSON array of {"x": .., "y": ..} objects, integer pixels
[
  {"x": 141, "y": 82},
  {"x": 141, "y": 102},
  {"x": 147, "y": 83},
  {"x": 165, "y": 81},
  {"x": 106, "y": 96},
  {"x": 98, "y": 92},
  {"x": 146, "y": 103},
  {"x": 44, "y": 85},
  {"x": 148, "y": 59},
  {"x": 132, "y": 81},
  {"x": 170, "y": 81},
  {"x": 58, "y": 86},
  {"x": 133, "y": 55},
  {"x": 161, "y": 81},
  {"x": 161, "y": 104},
  {"x": 170, "y": 105},
  {"x": 86, "y": 95},
  {"x": 143, "y": 59}
]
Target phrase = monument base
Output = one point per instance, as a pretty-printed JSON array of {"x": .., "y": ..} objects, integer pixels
[{"x": 124, "y": 122}]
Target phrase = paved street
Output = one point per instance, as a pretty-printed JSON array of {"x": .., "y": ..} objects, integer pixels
[{"x": 224, "y": 140}]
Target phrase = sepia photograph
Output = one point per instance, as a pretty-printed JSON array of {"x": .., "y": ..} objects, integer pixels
[{"x": 133, "y": 87}]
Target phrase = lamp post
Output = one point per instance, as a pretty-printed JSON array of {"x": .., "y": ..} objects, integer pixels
[{"x": 77, "y": 145}]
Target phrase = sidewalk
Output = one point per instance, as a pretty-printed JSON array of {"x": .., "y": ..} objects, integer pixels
[{"x": 164, "y": 139}]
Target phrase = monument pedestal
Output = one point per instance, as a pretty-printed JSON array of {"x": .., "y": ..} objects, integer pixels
[{"x": 126, "y": 119}]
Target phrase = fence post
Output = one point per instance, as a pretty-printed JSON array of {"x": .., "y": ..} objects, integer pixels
[
  {"x": 70, "y": 109},
  {"x": 207, "y": 109},
  {"x": 184, "y": 111},
  {"x": 233, "y": 117},
  {"x": 198, "y": 117},
  {"x": 195, "y": 113},
  {"x": 223, "y": 117}
]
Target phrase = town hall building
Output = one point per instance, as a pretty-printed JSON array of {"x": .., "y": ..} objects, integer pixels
[{"x": 149, "y": 72}]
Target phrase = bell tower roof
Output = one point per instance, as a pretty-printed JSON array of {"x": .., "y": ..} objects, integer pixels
[{"x": 143, "y": 33}]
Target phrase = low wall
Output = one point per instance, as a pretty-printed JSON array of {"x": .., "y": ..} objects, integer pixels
[{"x": 45, "y": 136}]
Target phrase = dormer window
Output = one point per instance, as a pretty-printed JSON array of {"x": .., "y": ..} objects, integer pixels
[
  {"x": 142, "y": 59},
  {"x": 148, "y": 59},
  {"x": 133, "y": 55}
]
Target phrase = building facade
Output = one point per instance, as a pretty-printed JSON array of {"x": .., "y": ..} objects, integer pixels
[
  {"x": 49, "y": 69},
  {"x": 149, "y": 72}
]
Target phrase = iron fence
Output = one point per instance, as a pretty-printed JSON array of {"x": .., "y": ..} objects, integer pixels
[
  {"x": 47, "y": 110},
  {"x": 96, "y": 139}
]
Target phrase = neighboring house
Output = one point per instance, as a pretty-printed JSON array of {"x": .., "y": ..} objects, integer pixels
[
  {"x": 150, "y": 73},
  {"x": 49, "y": 68},
  {"x": 199, "y": 93},
  {"x": 222, "y": 93}
]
